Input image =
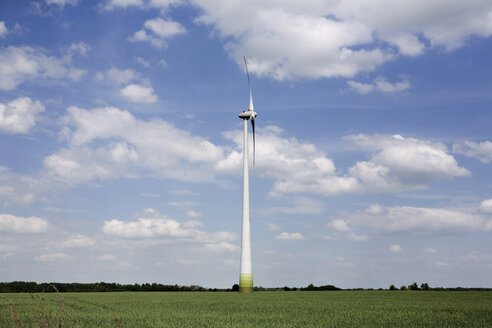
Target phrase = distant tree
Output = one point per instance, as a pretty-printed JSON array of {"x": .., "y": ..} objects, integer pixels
[
  {"x": 425, "y": 286},
  {"x": 413, "y": 286},
  {"x": 403, "y": 287},
  {"x": 235, "y": 288},
  {"x": 392, "y": 287}
]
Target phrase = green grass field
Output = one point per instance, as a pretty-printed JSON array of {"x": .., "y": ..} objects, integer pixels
[{"x": 260, "y": 309}]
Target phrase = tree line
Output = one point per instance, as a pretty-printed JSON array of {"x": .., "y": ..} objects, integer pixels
[{"x": 34, "y": 287}]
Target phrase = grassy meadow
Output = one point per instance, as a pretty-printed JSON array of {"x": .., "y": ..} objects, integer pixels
[{"x": 260, "y": 309}]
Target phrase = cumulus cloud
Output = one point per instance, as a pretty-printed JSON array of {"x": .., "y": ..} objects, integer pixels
[
  {"x": 402, "y": 163},
  {"x": 221, "y": 247},
  {"x": 297, "y": 167},
  {"x": 78, "y": 241},
  {"x": 395, "y": 248},
  {"x": 157, "y": 31},
  {"x": 19, "y": 115},
  {"x": 379, "y": 84},
  {"x": 156, "y": 225},
  {"x": 416, "y": 220},
  {"x": 112, "y": 4},
  {"x": 339, "y": 225},
  {"x": 18, "y": 189},
  {"x": 290, "y": 236},
  {"x": 61, "y": 3},
  {"x": 118, "y": 76},
  {"x": 17, "y": 224},
  {"x": 273, "y": 227},
  {"x": 316, "y": 39},
  {"x": 21, "y": 64},
  {"x": 82, "y": 48},
  {"x": 52, "y": 257},
  {"x": 142, "y": 61},
  {"x": 139, "y": 94},
  {"x": 193, "y": 214},
  {"x": 478, "y": 150},
  {"x": 109, "y": 143},
  {"x": 3, "y": 29},
  {"x": 357, "y": 238},
  {"x": 141, "y": 4},
  {"x": 486, "y": 206}
]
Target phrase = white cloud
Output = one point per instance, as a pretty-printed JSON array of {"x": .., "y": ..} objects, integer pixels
[
  {"x": 357, "y": 238},
  {"x": 106, "y": 258},
  {"x": 163, "y": 3},
  {"x": 273, "y": 227},
  {"x": 416, "y": 220},
  {"x": 163, "y": 28},
  {"x": 221, "y": 247},
  {"x": 24, "y": 63},
  {"x": 145, "y": 228},
  {"x": 160, "y": 31},
  {"x": 430, "y": 250},
  {"x": 19, "y": 115},
  {"x": 112, "y": 4},
  {"x": 16, "y": 224},
  {"x": 156, "y": 225},
  {"x": 192, "y": 224},
  {"x": 18, "y": 189},
  {"x": 362, "y": 88},
  {"x": 3, "y": 29},
  {"x": 141, "y": 4},
  {"x": 395, "y": 248},
  {"x": 110, "y": 143},
  {"x": 397, "y": 163},
  {"x": 118, "y": 76},
  {"x": 290, "y": 236},
  {"x": 339, "y": 225},
  {"x": 402, "y": 163},
  {"x": 385, "y": 86},
  {"x": 316, "y": 39},
  {"x": 379, "y": 84},
  {"x": 142, "y": 61},
  {"x": 143, "y": 36},
  {"x": 78, "y": 241},
  {"x": 193, "y": 214},
  {"x": 479, "y": 150},
  {"x": 81, "y": 48},
  {"x": 486, "y": 206},
  {"x": 52, "y": 257},
  {"x": 297, "y": 167},
  {"x": 61, "y": 3},
  {"x": 139, "y": 94}
]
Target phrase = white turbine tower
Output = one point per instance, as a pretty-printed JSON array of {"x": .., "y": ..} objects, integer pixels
[{"x": 246, "y": 273}]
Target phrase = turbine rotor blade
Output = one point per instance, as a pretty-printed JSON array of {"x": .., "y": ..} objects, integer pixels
[
  {"x": 247, "y": 72},
  {"x": 249, "y": 84},
  {"x": 254, "y": 146}
]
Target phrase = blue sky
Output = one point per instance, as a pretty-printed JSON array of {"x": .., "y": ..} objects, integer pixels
[{"x": 121, "y": 145}]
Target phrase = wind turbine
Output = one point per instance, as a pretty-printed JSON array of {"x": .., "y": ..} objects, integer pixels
[{"x": 246, "y": 273}]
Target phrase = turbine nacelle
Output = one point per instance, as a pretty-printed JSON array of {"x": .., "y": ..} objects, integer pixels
[{"x": 248, "y": 115}]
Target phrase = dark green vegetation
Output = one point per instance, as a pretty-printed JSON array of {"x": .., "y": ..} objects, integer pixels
[
  {"x": 261, "y": 309},
  {"x": 33, "y": 287}
]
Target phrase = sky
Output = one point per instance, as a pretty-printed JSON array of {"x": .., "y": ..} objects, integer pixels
[{"x": 121, "y": 146}]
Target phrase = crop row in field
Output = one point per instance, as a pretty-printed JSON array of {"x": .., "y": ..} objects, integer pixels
[{"x": 262, "y": 309}]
